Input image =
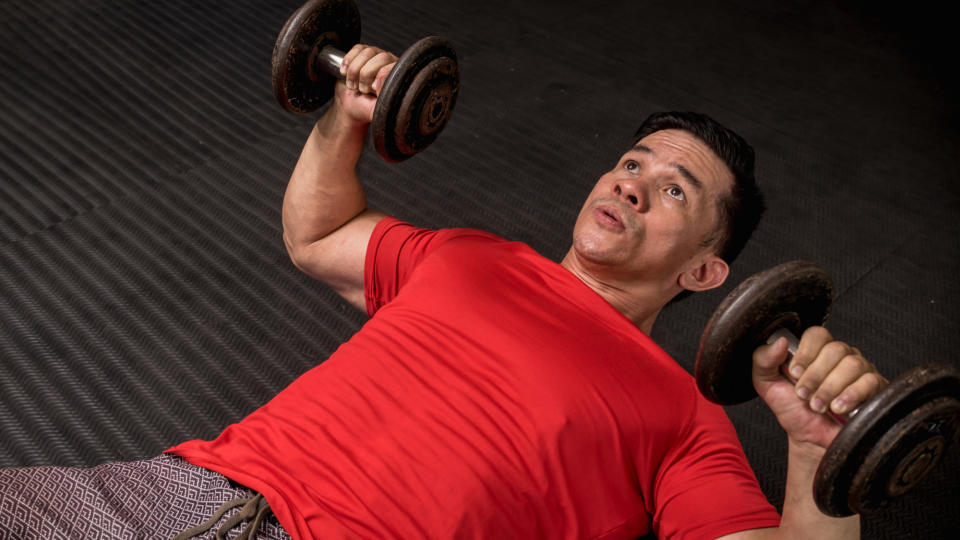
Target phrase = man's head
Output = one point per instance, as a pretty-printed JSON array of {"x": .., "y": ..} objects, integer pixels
[
  {"x": 672, "y": 213},
  {"x": 742, "y": 207}
]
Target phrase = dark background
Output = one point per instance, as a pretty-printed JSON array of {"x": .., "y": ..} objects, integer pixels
[{"x": 145, "y": 294}]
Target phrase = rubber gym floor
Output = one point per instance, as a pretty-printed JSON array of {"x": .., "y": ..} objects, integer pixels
[{"x": 145, "y": 294}]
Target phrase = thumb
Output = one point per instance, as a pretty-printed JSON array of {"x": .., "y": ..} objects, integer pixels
[{"x": 767, "y": 360}]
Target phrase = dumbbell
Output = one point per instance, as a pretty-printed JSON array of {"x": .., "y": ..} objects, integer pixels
[
  {"x": 415, "y": 101},
  {"x": 886, "y": 446}
]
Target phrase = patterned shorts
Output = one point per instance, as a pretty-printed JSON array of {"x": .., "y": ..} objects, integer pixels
[{"x": 155, "y": 498}]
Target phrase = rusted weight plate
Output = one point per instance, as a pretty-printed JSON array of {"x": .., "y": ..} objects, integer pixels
[
  {"x": 416, "y": 99},
  {"x": 794, "y": 295},
  {"x": 298, "y": 82},
  {"x": 892, "y": 442}
]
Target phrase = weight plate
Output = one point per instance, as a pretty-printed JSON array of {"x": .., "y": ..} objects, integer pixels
[
  {"x": 416, "y": 99},
  {"x": 794, "y": 295},
  {"x": 298, "y": 83},
  {"x": 892, "y": 442}
]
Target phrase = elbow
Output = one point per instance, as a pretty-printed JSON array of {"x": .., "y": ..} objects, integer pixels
[
  {"x": 295, "y": 251},
  {"x": 311, "y": 258}
]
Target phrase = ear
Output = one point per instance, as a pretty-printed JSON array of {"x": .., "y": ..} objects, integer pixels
[{"x": 711, "y": 273}]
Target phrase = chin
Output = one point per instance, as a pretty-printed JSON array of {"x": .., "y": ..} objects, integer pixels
[
  {"x": 595, "y": 243},
  {"x": 597, "y": 253}
]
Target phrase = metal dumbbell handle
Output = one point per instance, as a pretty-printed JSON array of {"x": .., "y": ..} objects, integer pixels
[
  {"x": 793, "y": 342},
  {"x": 329, "y": 60}
]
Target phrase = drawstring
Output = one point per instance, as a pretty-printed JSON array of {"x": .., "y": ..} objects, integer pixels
[{"x": 254, "y": 509}]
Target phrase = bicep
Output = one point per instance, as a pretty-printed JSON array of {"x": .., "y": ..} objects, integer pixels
[{"x": 338, "y": 258}]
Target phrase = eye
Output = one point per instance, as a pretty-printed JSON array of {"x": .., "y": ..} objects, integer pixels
[
  {"x": 676, "y": 193},
  {"x": 631, "y": 165}
]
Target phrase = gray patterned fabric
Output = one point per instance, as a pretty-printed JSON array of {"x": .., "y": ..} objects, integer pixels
[{"x": 155, "y": 498}]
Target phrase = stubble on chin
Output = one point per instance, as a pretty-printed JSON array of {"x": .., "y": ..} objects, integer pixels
[{"x": 594, "y": 246}]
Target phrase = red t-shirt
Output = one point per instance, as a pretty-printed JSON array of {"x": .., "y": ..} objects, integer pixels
[{"x": 491, "y": 395}]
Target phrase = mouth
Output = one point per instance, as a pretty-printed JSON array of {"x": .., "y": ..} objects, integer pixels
[{"x": 609, "y": 217}]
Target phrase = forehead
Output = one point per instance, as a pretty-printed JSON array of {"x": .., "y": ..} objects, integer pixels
[{"x": 677, "y": 148}]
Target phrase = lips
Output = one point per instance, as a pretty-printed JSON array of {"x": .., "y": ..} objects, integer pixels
[{"x": 609, "y": 216}]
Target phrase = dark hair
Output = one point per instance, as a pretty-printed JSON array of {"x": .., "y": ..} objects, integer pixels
[{"x": 739, "y": 211}]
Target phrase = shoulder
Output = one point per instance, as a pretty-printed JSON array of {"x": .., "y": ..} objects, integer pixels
[{"x": 393, "y": 230}]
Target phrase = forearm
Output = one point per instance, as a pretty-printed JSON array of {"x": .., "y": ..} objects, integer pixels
[
  {"x": 801, "y": 517},
  {"x": 324, "y": 191}
]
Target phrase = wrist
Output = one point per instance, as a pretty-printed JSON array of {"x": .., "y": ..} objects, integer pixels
[
  {"x": 337, "y": 123},
  {"x": 805, "y": 453},
  {"x": 337, "y": 141}
]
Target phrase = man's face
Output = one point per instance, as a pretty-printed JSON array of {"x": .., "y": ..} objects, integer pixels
[{"x": 648, "y": 217}]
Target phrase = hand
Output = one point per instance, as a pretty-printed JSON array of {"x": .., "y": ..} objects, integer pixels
[
  {"x": 365, "y": 69},
  {"x": 830, "y": 374}
]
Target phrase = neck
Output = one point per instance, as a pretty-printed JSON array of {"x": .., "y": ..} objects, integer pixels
[{"x": 639, "y": 301}]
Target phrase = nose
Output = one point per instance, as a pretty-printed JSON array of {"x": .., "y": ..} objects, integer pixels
[{"x": 632, "y": 192}]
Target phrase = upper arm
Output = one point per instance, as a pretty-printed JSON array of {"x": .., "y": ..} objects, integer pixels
[
  {"x": 704, "y": 487},
  {"x": 337, "y": 259}
]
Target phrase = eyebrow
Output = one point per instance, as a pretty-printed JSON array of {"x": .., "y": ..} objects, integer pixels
[{"x": 693, "y": 180}]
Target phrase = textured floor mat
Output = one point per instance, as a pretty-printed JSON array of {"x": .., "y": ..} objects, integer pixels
[{"x": 146, "y": 295}]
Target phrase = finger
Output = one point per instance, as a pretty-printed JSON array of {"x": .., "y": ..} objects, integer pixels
[
  {"x": 356, "y": 64},
  {"x": 859, "y": 392},
  {"x": 382, "y": 76},
  {"x": 848, "y": 370},
  {"x": 767, "y": 360},
  {"x": 813, "y": 376},
  {"x": 811, "y": 342},
  {"x": 348, "y": 58},
  {"x": 369, "y": 71}
]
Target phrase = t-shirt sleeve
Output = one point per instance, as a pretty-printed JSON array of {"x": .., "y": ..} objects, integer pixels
[
  {"x": 705, "y": 487},
  {"x": 395, "y": 250}
]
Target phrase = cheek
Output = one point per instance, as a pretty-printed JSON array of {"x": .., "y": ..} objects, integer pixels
[{"x": 672, "y": 232}]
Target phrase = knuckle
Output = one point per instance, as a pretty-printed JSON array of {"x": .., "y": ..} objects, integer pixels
[
  {"x": 365, "y": 71},
  {"x": 854, "y": 363},
  {"x": 353, "y": 69},
  {"x": 810, "y": 379},
  {"x": 817, "y": 332},
  {"x": 364, "y": 54},
  {"x": 354, "y": 51},
  {"x": 836, "y": 348}
]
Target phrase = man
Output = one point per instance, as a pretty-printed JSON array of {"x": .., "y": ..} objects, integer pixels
[
  {"x": 494, "y": 393},
  {"x": 484, "y": 449}
]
